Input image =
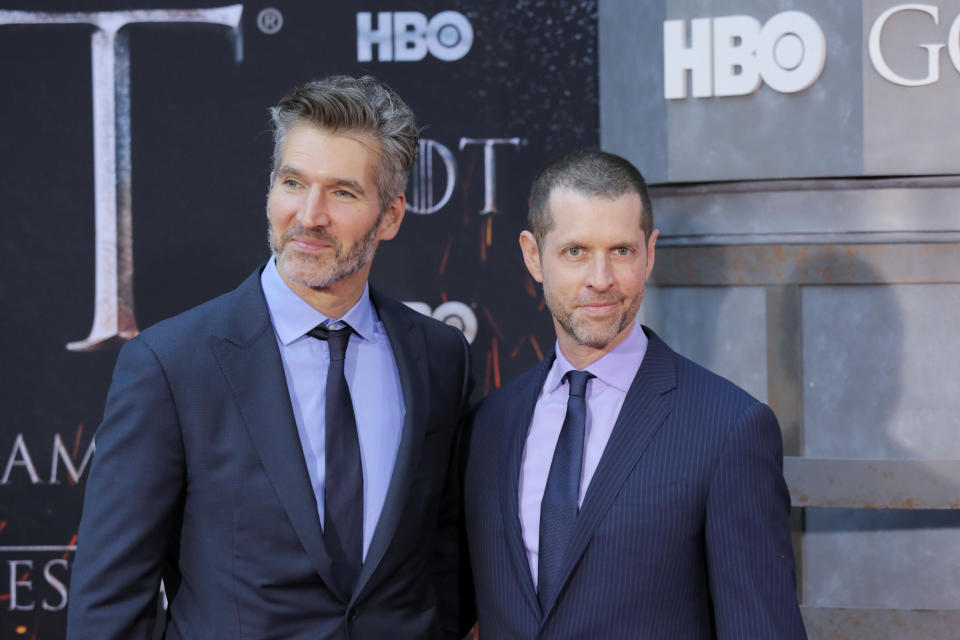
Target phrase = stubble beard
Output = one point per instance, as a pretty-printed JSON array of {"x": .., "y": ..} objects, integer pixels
[
  {"x": 320, "y": 271},
  {"x": 584, "y": 332}
]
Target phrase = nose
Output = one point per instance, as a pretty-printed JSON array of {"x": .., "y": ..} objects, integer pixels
[
  {"x": 313, "y": 209},
  {"x": 600, "y": 273}
]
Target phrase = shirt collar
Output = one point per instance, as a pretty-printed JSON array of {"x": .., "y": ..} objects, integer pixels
[
  {"x": 616, "y": 369},
  {"x": 293, "y": 317}
]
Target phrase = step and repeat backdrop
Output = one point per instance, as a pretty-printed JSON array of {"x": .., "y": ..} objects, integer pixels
[
  {"x": 764, "y": 89},
  {"x": 803, "y": 157},
  {"x": 808, "y": 181},
  {"x": 134, "y": 154}
]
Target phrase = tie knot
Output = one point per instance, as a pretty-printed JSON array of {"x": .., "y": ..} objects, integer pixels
[
  {"x": 337, "y": 339},
  {"x": 578, "y": 382}
]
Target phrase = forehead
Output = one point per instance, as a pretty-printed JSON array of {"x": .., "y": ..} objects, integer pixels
[
  {"x": 581, "y": 217},
  {"x": 308, "y": 147}
]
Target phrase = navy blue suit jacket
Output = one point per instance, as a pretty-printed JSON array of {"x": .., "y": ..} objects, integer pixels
[
  {"x": 683, "y": 530},
  {"x": 199, "y": 478}
]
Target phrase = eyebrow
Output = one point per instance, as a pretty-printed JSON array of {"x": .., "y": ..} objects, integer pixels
[
  {"x": 353, "y": 184},
  {"x": 571, "y": 242},
  {"x": 287, "y": 170}
]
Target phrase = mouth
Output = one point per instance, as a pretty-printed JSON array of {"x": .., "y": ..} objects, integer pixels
[
  {"x": 307, "y": 244},
  {"x": 600, "y": 307}
]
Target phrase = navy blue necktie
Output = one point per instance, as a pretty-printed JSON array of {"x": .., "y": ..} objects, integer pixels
[
  {"x": 343, "y": 485},
  {"x": 558, "y": 510}
]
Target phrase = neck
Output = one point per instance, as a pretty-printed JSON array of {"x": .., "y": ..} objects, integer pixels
[
  {"x": 333, "y": 301},
  {"x": 582, "y": 356}
]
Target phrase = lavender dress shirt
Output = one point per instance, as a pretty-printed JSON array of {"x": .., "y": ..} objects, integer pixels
[
  {"x": 605, "y": 395},
  {"x": 372, "y": 377}
]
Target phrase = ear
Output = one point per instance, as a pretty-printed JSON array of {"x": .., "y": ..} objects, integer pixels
[
  {"x": 392, "y": 217},
  {"x": 531, "y": 255},
  {"x": 651, "y": 251}
]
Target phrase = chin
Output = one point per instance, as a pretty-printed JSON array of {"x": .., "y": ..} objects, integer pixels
[
  {"x": 598, "y": 337},
  {"x": 303, "y": 271},
  {"x": 595, "y": 339},
  {"x": 595, "y": 342}
]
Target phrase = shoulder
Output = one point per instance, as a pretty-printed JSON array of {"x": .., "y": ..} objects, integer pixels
[
  {"x": 694, "y": 381},
  {"x": 243, "y": 308},
  {"x": 708, "y": 407},
  {"x": 697, "y": 379}
]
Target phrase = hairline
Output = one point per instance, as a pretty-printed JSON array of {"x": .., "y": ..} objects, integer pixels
[
  {"x": 365, "y": 138},
  {"x": 360, "y": 107},
  {"x": 549, "y": 223}
]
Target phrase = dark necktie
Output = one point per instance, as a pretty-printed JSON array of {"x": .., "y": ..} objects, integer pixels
[
  {"x": 343, "y": 485},
  {"x": 558, "y": 510}
]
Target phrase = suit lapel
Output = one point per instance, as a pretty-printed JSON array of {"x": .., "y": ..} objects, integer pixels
[
  {"x": 513, "y": 437},
  {"x": 643, "y": 412},
  {"x": 408, "y": 344},
  {"x": 250, "y": 360}
]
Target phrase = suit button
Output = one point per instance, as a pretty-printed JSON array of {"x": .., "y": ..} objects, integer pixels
[{"x": 351, "y": 615}]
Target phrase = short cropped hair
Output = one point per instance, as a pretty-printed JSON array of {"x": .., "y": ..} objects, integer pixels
[
  {"x": 589, "y": 172},
  {"x": 342, "y": 104}
]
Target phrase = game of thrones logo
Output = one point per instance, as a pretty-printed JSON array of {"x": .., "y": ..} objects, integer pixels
[
  {"x": 136, "y": 159},
  {"x": 112, "y": 168}
]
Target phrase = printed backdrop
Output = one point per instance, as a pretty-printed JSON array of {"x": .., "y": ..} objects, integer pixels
[{"x": 135, "y": 147}]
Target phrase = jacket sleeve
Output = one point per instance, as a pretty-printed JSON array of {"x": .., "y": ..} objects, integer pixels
[
  {"x": 131, "y": 506},
  {"x": 749, "y": 552}
]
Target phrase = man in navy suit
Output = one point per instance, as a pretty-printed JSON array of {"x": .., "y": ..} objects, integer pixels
[
  {"x": 618, "y": 490},
  {"x": 283, "y": 455}
]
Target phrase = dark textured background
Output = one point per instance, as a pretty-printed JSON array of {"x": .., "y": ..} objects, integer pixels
[{"x": 201, "y": 148}]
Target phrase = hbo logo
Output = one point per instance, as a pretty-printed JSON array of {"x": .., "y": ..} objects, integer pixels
[
  {"x": 406, "y": 36},
  {"x": 454, "y": 313},
  {"x": 730, "y": 56}
]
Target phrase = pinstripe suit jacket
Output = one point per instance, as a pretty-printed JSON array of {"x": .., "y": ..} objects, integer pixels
[{"x": 683, "y": 530}]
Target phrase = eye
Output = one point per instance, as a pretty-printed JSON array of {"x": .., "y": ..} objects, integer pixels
[
  {"x": 343, "y": 193},
  {"x": 622, "y": 251},
  {"x": 291, "y": 183},
  {"x": 574, "y": 252}
]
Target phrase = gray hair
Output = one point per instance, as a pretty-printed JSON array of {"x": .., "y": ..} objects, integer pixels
[
  {"x": 342, "y": 104},
  {"x": 590, "y": 172}
]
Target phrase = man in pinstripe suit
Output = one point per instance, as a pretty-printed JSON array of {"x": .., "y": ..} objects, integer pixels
[{"x": 618, "y": 490}]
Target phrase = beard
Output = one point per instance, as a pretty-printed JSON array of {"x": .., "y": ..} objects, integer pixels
[
  {"x": 320, "y": 271},
  {"x": 593, "y": 333}
]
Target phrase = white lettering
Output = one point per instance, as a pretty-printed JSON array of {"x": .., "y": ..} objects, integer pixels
[
  {"x": 408, "y": 36},
  {"x": 933, "y": 50},
  {"x": 489, "y": 168},
  {"x": 60, "y": 453},
  {"x": 368, "y": 37},
  {"x": 57, "y": 585},
  {"x": 456, "y": 314},
  {"x": 953, "y": 42},
  {"x": 735, "y": 71},
  {"x": 733, "y": 55},
  {"x": 20, "y": 457},
  {"x": 449, "y": 36},
  {"x": 422, "y": 177},
  {"x": 15, "y": 584},
  {"x": 791, "y": 52},
  {"x": 679, "y": 58},
  {"x": 113, "y": 315}
]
